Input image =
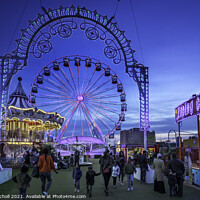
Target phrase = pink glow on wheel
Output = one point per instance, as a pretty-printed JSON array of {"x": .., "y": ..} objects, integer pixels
[{"x": 80, "y": 98}]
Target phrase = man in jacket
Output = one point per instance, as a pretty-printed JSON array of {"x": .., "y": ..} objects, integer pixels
[
  {"x": 178, "y": 168},
  {"x": 143, "y": 166}
]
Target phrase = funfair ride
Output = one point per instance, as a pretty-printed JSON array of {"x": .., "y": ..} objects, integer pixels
[
  {"x": 36, "y": 40},
  {"x": 88, "y": 93},
  {"x": 27, "y": 125}
]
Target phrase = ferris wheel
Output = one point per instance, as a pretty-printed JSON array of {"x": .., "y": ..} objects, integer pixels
[{"x": 87, "y": 92}]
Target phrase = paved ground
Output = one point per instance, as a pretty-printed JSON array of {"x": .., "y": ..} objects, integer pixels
[{"x": 63, "y": 185}]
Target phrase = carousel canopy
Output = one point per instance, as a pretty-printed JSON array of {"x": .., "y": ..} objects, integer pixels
[
  {"x": 19, "y": 98},
  {"x": 20, "y": 109}
]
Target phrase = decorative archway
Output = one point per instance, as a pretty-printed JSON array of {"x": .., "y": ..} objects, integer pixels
[{"x": 36, "y": 40}]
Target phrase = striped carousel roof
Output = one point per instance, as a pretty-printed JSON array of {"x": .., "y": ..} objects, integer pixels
[{"x": 19, "y": 98}]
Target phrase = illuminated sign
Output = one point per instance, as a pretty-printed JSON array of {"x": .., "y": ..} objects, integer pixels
[{"x": 188, "y": 109}]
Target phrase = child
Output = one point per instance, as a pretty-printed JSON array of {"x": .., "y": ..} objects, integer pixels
[
  {"x": 71, "y": 160},
  {"x": 90, "y": 174},
  {"x": 129, "y": 170},
  {"x": 77, "y": 173},
  {"x": 115, "y": 173},
  {"x": 22, "y": 179},
  {"x": 172, "y": 182}
]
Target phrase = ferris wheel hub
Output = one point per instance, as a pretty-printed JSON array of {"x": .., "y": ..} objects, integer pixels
[{"x": 80, "y": 98}]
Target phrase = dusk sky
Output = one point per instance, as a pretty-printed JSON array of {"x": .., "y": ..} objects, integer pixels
[{"x": 169, "y": 32}]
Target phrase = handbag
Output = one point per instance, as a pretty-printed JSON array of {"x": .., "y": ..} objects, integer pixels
[
  {"x": 35, "y": 172},
  {"x": 106, "y": 170}
]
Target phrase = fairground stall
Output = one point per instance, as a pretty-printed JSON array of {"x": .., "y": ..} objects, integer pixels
[
  {"x": 132, "y": 144},
  {"x": 191, "y": 150}
]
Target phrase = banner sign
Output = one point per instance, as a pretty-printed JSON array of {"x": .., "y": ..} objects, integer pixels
[{"x": 188, "y": 109}]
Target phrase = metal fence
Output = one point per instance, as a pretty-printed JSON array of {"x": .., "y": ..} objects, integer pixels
[{"x": 11, "y": 162}]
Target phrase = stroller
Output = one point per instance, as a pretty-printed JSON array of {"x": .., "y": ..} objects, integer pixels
[{"x": 61, "y": 164}]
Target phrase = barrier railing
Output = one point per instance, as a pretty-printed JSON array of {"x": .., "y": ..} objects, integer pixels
[{"x": 11, "y": 162}]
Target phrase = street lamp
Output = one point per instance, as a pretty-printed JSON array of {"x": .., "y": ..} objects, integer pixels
[{"x": 170, "y": 132}]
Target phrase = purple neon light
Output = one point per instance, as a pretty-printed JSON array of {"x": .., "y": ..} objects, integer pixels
[
  {"x": 84, "y": 139},
  {"x": 188, "y": 109},
  {"x": 80, "y": 98}
]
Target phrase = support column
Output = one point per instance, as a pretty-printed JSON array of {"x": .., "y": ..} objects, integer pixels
[
  {"x": 1, "y": 93},
  {"x": 145, "y": 134},
  {"x": 198, "y": 138},
  {"x": 179, "y": 134}
]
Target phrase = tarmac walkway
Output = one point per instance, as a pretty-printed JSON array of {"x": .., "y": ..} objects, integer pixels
[{"x": 63, "y": 188}]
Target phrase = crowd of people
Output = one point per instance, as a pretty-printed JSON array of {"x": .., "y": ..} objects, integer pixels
[{"x": 110, "y": 166}]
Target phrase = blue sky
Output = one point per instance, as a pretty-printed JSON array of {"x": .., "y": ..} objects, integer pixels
[{"x": 169, "y": 33}]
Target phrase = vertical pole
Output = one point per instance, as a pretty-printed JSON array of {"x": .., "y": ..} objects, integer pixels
[
  {"x": 179, "y": 133},
  {"x": 145, "y": 133},
  {"x": 1, "y": 84},
  {"x": 198, "y": 138}
]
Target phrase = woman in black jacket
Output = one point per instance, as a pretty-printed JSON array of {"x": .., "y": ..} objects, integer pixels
[
  {"x": 105, "y": 168},
  {"x": 121, "y": 160}
]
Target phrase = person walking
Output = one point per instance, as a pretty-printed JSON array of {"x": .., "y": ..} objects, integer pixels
[
  {"x": 105, "y": 169},
  {"x": 143, "y": 166},
  {"x": 71, "y": 160},
  {"x": 77, "y": 173},
  {"x": 159, "y": 169},
  {"x": 22, "y": 179},
  {"x": 178, "y": 168},
  {"x": 45, "y": 165},
  {"x": 115, "y": 173},
  {"x": 130, "y": 170},
  {"x": 121, "y": 161},
  {"x": 172, "y": 183},
  {"x": 76, "y": 157},
  {"x": 90, "y": 174},
  {"x": 27, "y": 158}
]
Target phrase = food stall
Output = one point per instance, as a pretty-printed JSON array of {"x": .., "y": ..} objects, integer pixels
[{"x": 184, "y": 111}]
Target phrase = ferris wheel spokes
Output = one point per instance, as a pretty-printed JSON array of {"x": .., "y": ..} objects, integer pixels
[
  {"x": 92, "y": 120},
  {"x": 51, "y": 96},
  {"x": 73, "y": 79},
  {"x": 106, "y": 102},
  {"x": 103, "y": 91},
  {"x": 88, "y": 123},
  {"x": 84, "y": 80},
  {"x": 106, "y": 108},
  {"x": 50, "y": 103},
  {"x": 100, "y": 119},
  {"x": 104, "y": 96},
  {"x": 103, "y": 113},
  {"x": 68, "y": 120},
  {"x": 52, "y": 90},
  {"x": 66, "y": 78},
  {"x": 57, "y": 85},
  {"x": 98, "y": 87},
  {"x": 60, "y": 106},
  {"x": 85, "y": 91}
]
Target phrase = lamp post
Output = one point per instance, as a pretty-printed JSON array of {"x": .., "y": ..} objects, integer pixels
[{"x": 170, "y": 132}]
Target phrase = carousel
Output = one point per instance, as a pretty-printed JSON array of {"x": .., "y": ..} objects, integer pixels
[{"x": 27, "y": 125}]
